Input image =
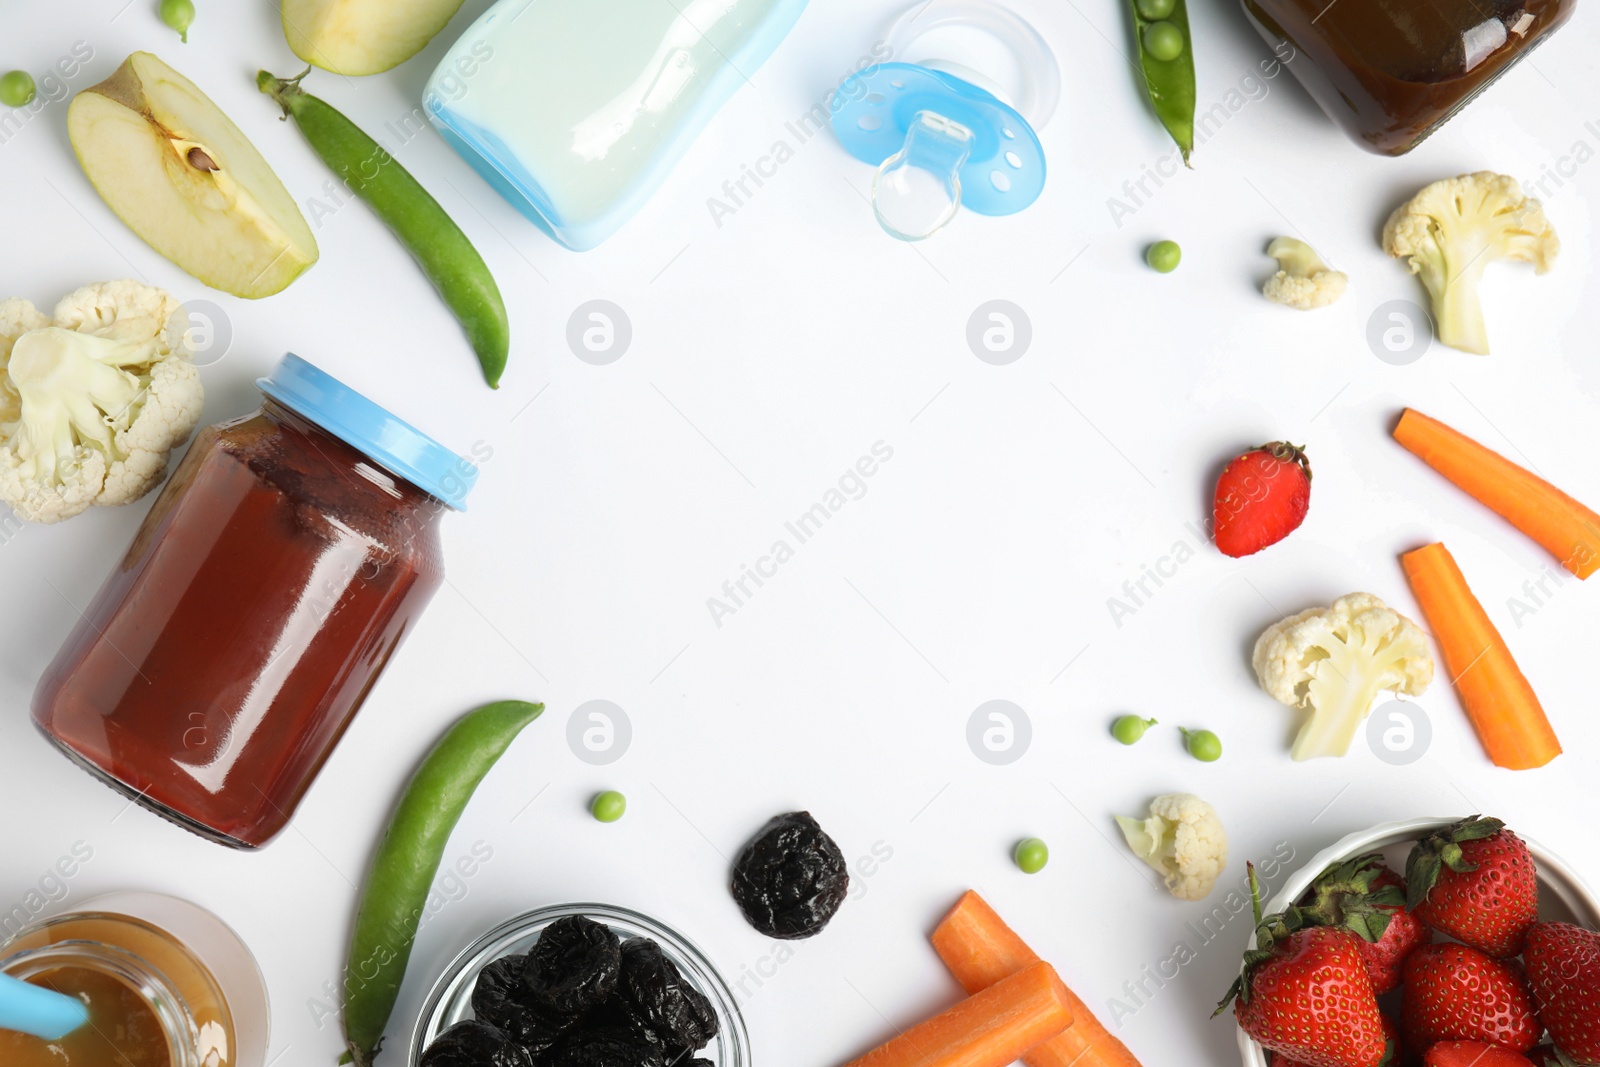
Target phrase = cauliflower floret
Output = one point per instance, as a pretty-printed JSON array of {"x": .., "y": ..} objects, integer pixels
[
  {"x": 1182, "y": 839},
  {"x": 93, "y": 400},
  {"x": 17, "y": 317},
  {"x": 1452, "y": 230},
  {"x": 1335, "y": 661},
  {"x": 1303, "y": 281}
]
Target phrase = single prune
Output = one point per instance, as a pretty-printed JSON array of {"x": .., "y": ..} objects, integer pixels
[
  {"x": 662, "y": 999},
  {"x": 791, "y": 879},
  {"x": 500, "y": 999},
  {"x": 572, "y": 967},
  {"x": 621, "y": 1045},
  {"x": 475, "y": 1044}
]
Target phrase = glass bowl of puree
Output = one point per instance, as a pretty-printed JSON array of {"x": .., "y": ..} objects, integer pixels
[
  {"x": 450, "y": 1002},
  {"x": 167, "y": 984}
]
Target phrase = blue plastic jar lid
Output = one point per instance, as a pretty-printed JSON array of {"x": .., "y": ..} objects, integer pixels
[{"x": 393, "y": 443}]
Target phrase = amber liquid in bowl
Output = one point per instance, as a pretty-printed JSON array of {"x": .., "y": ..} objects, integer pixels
[{"x": 151, "y": 1002}]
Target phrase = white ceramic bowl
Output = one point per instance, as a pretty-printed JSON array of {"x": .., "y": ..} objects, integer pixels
[{"x": 1563, "y": 895}]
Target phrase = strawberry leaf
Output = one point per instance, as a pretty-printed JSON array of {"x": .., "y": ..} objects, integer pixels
[{"x": 1442, "y": 849}]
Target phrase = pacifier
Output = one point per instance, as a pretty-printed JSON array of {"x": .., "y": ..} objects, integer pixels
[{"x": 950, "y": 122}]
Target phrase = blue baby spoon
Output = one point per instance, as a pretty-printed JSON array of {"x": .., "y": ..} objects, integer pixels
[
  {"x": 950, "y": 123},
  {"x": 41, "y": 1012}
]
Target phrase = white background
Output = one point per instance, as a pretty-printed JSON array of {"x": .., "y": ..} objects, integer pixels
[{"x": 769, "y": 354}]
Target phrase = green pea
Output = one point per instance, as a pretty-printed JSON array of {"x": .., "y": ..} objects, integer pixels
[
  {"x": 403, "y": 869},
  {"x": 1130, "y": 728},
  {"x": 178, "y": 15},
  {"x": 1203, "y": 745},
  {"x": 1164, "y": 41},
  {"x": 17, "y": 89},
  {"x": 444, "y": 253},
  {"x": 1031, "y": 855},
  {"x": 608, "y": 806},
  {"x": 1155, "y": 10},
  {"x": 1164, "y": 256}
]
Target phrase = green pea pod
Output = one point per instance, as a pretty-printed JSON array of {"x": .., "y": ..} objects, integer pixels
[
  {"x": 407, "y": 861},
  {"x": 1170, "y": 83},
  {"x": 415, "y": 217}
]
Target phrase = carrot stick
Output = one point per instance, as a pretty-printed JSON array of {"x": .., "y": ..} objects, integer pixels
[
  {"x": 1497, "y": 698},
  {"x": 980, "y": 950},
  {"x": 990, "y": 1029},
  {"x": 1567, "y": 529}
]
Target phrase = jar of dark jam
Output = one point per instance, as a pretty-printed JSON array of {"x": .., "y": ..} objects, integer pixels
[
  {"x": 277, "y": 572},
  {"x": 1393, "y": 71}
]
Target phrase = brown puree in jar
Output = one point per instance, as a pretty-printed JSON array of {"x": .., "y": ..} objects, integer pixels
[
  {"x": 125, "y": 1028},
  {"x": 1392, "y": 71},
  {"x": 221, "y": 662}
]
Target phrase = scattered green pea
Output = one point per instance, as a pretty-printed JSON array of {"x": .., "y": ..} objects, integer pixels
[
  {"x": 1031, "y": 855},
  {"x": 1164, "y": 256},
  {"x": 1155, "y": 10},
  {"x": 17, "y": 89},
  {"x": 1130, "y": 728},
  {"x": 178, "y": 15},
  {"x": 608, "y": 806},
  {"x": 1203, "y": 745},
  {"x": 1164, "y": 41}
]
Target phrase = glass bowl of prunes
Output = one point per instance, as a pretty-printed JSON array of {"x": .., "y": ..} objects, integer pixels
[{"x": 581, "y": 985}]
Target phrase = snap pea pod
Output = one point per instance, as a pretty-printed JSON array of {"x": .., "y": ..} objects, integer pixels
[
  {"x": 406, "y": 862},
  {"x": 1166, "y": 61},
  {"x": 443, "y": 252}
]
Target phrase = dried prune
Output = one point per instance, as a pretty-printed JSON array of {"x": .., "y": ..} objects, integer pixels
[
  {"x": 619, "y": 1045},
  {"x": 572, "y": 967},
  {"x": 500, "y": 999},
  {"x": 475, "y": 1044},
  {"x": 791, "y": 879},
  {"x": 662, "y": 999}
]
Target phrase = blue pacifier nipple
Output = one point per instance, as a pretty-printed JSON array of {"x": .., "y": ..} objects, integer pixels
[{"x": 939, "y": 139}]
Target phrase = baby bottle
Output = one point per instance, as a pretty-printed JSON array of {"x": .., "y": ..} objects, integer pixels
[{"x": 576, "y": 111}]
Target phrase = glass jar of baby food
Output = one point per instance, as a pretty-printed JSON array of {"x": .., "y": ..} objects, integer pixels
[
  {"x": 263, "y": 595},
  {"x": 167, "y": 984},
  {"x": 1393, "y": 71}
]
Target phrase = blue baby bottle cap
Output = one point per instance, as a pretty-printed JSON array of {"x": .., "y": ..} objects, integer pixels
[
  {"x": 391, "y": 442},
  {"x": 940, "y": 130}
]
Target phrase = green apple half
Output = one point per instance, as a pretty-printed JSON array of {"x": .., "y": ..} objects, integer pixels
[
  {"x": 363, "y": 36},
  {"x": 182, "y": 176}
]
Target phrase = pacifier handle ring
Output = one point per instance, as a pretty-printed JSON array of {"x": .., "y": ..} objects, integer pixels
[{"x": 1040, "y": 91}]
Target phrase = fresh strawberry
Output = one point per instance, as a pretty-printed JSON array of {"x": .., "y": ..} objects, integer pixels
[
  {"x": 1262, "y": 497},
  {"x": 1393, "y": 1052},
  {"x": 1368, "y": 899},
  {"x": 1472, "y": 1054},
  {"x": 1563, "y": 963},
  {"x": 1304, "y": 993},
  {"x": 1475, "y": 881},
  {"x": 1456, "y": 993}
]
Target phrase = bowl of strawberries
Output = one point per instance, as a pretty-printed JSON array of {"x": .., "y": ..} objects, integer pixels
[{"x": 1425, "y": 943}]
